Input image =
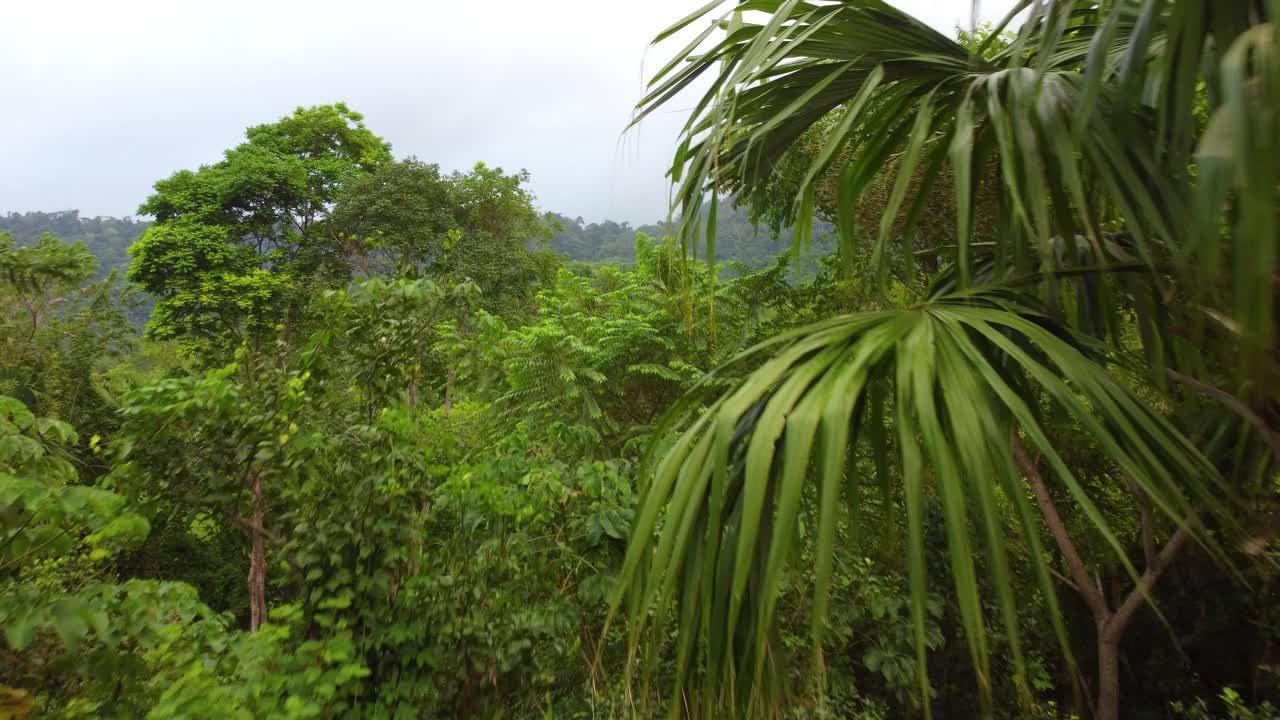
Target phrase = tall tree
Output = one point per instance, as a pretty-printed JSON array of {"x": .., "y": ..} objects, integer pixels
[
  {"x": 1112, "y": 200},
  {"x": 397, "y": 218},
  {"x": 243, "y": 417},
  {"x": 480, "y": 225},
  {"x": 235, "y": 243}
]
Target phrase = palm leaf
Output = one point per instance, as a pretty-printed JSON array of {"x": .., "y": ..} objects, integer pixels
[
  {"x": 1112, "y": 199},
  {"x": 743, "y": 466},
  {"x": 1088, "y": 119}
]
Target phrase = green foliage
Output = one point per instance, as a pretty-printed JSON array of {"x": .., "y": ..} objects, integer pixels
[
  {"x": 242, "y": 416},
  {"x": 480, "y": 225},
  {"x": 1030, "y": 197},
  {"x": 790, "y": 407},
  {"x": 273, "y": 673},
  {"x": 145, "y": 362},
  {"x": 824, "y": 481},
  {"x": 245, "y": 417},
  {"x": 1233, "y": 708},
  {"x": 352, "y": 542},
  {"x": 544, "y": 538},
  {"x": 105, "y": 238},
  {"x": 81, "y": 639},
  {"x": 45, "y": 267},
  {"x": 878, "y": 621},
  {"x": 607, "y": 354},
  {"x": 108, "y": 240},
  {"x": 43, "y": 513},
  {"x": 235, "y": 242},
  {"x": 275, "y": 186},
  {"x": 445, "y": 561},
  {"x": 985, "y": 41},
  {"x": 397, "y": 217},
  {"x": 57, "y": 328},
  {"x": 738, "y": 240},
  {"x": 383, "y": 334}
]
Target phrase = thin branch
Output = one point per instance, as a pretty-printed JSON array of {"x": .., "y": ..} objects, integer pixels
[
  {"x": 1064, "y": 579},
  {"x": 1147, "y": 524},
  {"x": 1057, "y": 575},
  {"x": 1271, "y": 437},
  {"x": 1084, "y": 586},
  {"x": 1142, "y": 591},
  {"x": 14, "y": 536},
  {"x": 35, "y": 321},
  {"x": 249, "y": 527},
  {"x": 34, "y": 550}
]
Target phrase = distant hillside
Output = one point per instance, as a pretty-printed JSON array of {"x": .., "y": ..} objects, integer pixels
[
  {"x": 736, "y": 239},
  {"x": 107, "y": 238}
]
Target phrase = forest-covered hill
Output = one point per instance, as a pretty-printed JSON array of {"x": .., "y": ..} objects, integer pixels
[
  {"x": 108, "y": 238},
  {"x": 608, "y": 241},
  {"x": 737, "y": 239}
]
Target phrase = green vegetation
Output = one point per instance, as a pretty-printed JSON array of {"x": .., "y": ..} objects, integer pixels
[
  {"x": 107, "y": 239},
  {"x": 991, "y": 433},
  {"x": 742, "y": 241}
]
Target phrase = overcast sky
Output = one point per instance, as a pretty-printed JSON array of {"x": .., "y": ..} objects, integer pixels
[{"x": 101, "y": 99}]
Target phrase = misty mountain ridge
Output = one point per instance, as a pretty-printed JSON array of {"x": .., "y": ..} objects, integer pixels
[{"x": 608, "y": 241}]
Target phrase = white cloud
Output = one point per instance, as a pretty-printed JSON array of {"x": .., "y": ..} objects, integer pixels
[{"x": 102, "y": 99}]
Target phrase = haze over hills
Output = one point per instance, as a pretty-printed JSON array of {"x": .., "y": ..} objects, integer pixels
[
  {"x": 738, "y": 241},
  {"x": 108, "y": 238},
  {"x": 608, "y": 241},
  {"x": 397, "y": 442}
]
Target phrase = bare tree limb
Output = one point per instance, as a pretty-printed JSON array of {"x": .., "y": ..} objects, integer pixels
[
  {"x": 1142, "y": 590},
  {"x": 1271, "y": 437},
  {"x": 1064, "y": 579},
  {"x": 1092, "y": 595},
  {"x": 1147, "y": 524}
]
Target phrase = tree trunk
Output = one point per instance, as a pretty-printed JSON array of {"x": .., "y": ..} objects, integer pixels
[
  {"x": 1110, "y": 624},
  {"x": 1108, "y": 676},
  {"x": 257, "y": 560},
  {"x": 448, "y": 391}
]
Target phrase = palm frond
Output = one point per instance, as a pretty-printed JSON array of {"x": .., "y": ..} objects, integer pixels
[
  {"x": 1132, "y": 145},
  {"x": 731, "y": 487},
  {"x": 1088, "y": 122}
]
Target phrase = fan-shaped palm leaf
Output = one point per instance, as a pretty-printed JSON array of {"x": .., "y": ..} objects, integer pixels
[
  {"x": 1089, "y": 123},
  {"x": 963, "y": 374}
]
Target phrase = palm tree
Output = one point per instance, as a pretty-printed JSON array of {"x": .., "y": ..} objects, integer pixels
[{"x": 1125, "y": 152}]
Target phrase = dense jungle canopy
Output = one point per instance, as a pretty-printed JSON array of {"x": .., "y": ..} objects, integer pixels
[{"x": 949, "y": 388}]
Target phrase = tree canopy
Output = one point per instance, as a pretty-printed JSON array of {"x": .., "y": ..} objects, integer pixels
[
  {"x": 234, "y": 242},
  {"x": 947, "y": 389},
  {"x": 479, "y": 225}
]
